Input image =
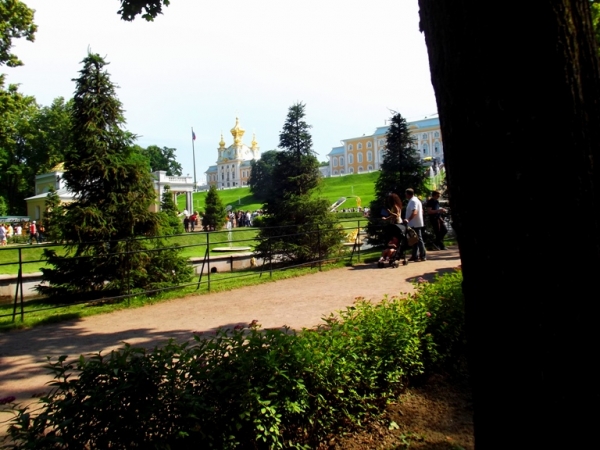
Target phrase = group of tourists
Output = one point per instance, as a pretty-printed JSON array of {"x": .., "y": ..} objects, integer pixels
[
  {"x": 414, "y": 218},
  {"x": 242, "y": 218},
  {"x": 190, "y": 221},
  {"x": 34, "y": 230}
]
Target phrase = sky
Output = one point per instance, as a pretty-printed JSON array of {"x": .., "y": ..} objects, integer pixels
[{"x": 203, "y": 63}]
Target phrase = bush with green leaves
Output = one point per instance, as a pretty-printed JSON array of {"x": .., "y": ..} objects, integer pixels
[{"x": 246, "y": 387}]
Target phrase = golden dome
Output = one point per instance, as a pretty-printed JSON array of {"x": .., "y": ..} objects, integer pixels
[
  {"x": 237, "y": 132},
  {"x": 222, "y": 142},
  {"x": 254, "y": 143}
]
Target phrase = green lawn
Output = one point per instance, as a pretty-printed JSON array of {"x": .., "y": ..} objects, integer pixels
[{"x": 360, "y": 185}]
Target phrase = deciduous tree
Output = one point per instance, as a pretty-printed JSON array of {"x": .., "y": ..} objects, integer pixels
[
  {"x": 517, "y": 89},
  {"x": 163, "y": 159},
  {"x": 261, "y": 175},
  {"x": 16, "y": 21}
]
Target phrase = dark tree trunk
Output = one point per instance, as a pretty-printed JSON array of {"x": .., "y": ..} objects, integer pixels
[{"x": 517, "y": 88}]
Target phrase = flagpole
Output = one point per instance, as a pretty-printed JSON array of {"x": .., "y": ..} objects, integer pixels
[{"x": 194, "y": 157}]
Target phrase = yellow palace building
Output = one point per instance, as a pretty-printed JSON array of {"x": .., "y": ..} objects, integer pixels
[{"x": 365, "y": 153}]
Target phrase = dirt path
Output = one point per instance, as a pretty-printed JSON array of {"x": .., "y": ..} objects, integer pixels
[{"x": 297, "y": 302}]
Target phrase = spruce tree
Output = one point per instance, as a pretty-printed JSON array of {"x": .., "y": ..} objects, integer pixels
[
  {"x": 215, "y": 214},
  {"x": 401, "y": 169},
  {"x": 168, "y": 208},
  {"x": 113, "y": 192},
  {"x": 297, "y": 225}
]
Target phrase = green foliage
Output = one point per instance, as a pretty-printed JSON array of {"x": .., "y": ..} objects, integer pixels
[
  {"x": 162, "y": 159},
  {"x": 32, "y": 141},
  {"x": 113, "y": 193},
  {"x": 297, "y": 226},
  {"x": 148, "y": 9},
  {"x": 53, "y": 216},
  {"x": 16, "y": 164},
  {"x": 16, "y": 21},
  {"x": 261, "y": 175},
  {"x": 401, "y": 169},
  {"x": 595, "y": 9},
  {"x": 215, "y": 214},
  {"x": 3, "y": 206},
  {"x": 248, "y": 388},
  {"x": 174, "y": 224}
]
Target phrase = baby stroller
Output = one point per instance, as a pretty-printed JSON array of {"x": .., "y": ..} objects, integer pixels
[{"x": 396, "y": 236}]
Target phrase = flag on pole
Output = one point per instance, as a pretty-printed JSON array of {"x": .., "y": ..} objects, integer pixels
[{"x": 193, "y": 136}]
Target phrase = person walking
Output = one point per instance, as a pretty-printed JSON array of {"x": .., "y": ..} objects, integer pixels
[
  {"x": 436, "y": 217},
  {"x": 33, "y": 233},
  {"x": 414, "y": 219}
]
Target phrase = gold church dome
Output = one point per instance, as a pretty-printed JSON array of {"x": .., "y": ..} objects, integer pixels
[{"x": 237, "y": 132}]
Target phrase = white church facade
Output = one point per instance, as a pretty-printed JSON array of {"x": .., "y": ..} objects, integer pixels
[{"x": 233, "y": 162}]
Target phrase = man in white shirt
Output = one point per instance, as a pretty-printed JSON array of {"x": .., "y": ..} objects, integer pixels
[{"x": 414, "y": 218}]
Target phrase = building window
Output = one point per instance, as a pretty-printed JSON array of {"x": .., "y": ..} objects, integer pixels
[
  {"x": 349, "y": 146},
  {"x": 359, "y": 146},
  {"x": 381, "y": 142},
  {"x": 351, "y": 170},
  {"x": 335, "y": 172},
  {"x": 369, "y": 156},
  {"x": 359, "y": 157},
  {"x": 341, "y": 162},
  {"x": 424, "y": 136},
  {"x": 350, "y": 158},
  {"x": 369, "y": 167},
  {"x": 425, "y": 149},
  {"x": 335, "y": 162},
  {"x": 369, "y": 144},
  {"x": 437, "y": 148},
  {"x": 342, "y": 172},
  {"x": 360, "y": 169},
  {"x": 436, "y": 134}
]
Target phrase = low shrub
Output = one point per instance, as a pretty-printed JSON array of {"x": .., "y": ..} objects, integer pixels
[{"x": 246, "y": 387}]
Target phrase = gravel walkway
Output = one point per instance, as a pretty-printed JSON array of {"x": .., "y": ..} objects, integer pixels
[{"x": 298, "y": 302}]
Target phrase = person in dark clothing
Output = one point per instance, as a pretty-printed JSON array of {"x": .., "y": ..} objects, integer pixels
[{"x": 436, "y": 217}]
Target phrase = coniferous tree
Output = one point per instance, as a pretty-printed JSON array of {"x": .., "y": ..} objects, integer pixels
[
  {"x": 401, "y": 169},
  {"x": 169, "y": 209},
  {"x": 297, "y": 225},
  {"x": 215, "y": 214},
  {"x": 113, "y": 192},
  {"x": 53, "y": 215}
]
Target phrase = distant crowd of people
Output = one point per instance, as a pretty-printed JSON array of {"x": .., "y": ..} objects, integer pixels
[{"x": 14, "y": 231}]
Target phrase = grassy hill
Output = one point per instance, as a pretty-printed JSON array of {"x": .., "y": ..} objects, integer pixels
[{"x": 355, "y": 185}]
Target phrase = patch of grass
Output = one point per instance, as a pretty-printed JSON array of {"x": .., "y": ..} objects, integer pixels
[{"x": 360, "y": 185}]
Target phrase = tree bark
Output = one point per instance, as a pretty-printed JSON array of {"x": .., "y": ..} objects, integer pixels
[{"x": 517, "y": 88}]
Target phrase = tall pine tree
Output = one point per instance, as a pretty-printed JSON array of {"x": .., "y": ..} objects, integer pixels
[
  {"x": 401, "y": 169},
  {"x": 113, "y": 192},
  {"x": 297, "y": 225}
]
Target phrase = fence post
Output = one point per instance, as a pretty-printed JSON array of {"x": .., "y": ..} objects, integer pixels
[
  {"x": 208, "y": 259},
  {"x": 19, "y": 286},
  {"x": 319, "y": 246},
  {"x": 270, "y": 257},
  {"x": 358, "y": 241}
]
